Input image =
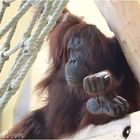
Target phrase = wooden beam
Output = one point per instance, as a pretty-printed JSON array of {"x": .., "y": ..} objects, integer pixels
[{"x": 123, "y": 18}]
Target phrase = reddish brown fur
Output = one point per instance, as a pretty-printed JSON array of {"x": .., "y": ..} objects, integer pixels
[{"x": 65, "y": 112}]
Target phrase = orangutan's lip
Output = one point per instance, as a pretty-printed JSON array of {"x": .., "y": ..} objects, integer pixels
[
  {"x": 70, "y": 78},
  {"x": 72, "y": 81}
]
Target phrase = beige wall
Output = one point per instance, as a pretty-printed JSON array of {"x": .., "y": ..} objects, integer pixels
[{"x": 88, "y": 9}]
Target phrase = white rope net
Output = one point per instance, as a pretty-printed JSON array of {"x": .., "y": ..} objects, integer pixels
[{"x": 30, "y": 44}]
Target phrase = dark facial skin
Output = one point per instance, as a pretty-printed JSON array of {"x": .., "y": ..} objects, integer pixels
[
  {"x": 98, "y": 85},
  {"x": 76, "y": 68}
]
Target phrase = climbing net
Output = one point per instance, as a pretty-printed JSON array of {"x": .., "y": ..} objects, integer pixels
[{"x": 44, "y": 18}]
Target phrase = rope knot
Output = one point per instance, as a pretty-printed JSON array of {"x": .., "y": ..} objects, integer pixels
[
  {"x": 3, "y": 56},
  {"x": 7, "y": 2},
  {"x": 13, "y": 86}
]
